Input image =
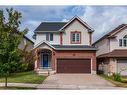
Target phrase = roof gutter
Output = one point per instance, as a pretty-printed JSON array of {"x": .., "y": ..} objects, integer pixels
[{"x": 91, "y": 49}]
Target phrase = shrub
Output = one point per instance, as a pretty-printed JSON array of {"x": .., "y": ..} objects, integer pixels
[
  {"x": 100, "y": 72},
  {"x": 28, "y": 59},
  {"x": 117, "y": 77}
]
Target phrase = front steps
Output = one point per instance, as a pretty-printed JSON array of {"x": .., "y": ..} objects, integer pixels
[{"x": 45, "y": 72}]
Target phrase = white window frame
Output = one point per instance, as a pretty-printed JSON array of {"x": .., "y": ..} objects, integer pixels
[
  {"x": 123, "y": 39},
  {"x": 75, "y": 37},
  {"x": 49, "y": 36}
]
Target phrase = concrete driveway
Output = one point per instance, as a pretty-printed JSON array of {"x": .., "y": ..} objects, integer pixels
[{"x": 76, "y": 81}]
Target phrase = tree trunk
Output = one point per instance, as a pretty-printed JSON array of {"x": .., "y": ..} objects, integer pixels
[{"x": 5, "y": 81}]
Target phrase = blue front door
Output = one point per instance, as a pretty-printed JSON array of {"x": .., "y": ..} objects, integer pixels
[{"x": 45, "y": 60}]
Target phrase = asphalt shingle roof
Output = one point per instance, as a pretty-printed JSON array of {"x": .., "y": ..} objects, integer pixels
[
  {"x": 74, "y": 47},
  {"x": 50, "y": 26},
  {"x": 117, "y": 29},
  {"x": 115, "y": 53}
]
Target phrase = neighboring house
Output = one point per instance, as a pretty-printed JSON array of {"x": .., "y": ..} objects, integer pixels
[
  {"x": 112, "y": 51},
  {"x": 26, "y": 43},
  {"x": 64, "y": 47}
]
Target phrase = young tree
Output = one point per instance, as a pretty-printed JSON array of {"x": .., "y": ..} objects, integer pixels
[
  {"x": 10, "y": 37},
  {"x": 28, "y": 57}
]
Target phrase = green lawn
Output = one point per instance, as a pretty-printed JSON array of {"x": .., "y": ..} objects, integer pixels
[
  {"x": 16, "y": 88},
  {"x": 123, "y": 82},
  {"x": 25, "y": 77}
]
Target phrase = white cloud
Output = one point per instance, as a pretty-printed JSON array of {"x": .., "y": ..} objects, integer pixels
[
  {"x": 104, "y": 18},
  {"x": 65, "y": 20},
  {"x": 33, "y": 22}
]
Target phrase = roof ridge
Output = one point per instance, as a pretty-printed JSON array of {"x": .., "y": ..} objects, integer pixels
[{"x": 111, "y": 32}]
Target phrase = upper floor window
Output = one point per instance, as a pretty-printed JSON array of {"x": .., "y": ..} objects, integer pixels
[
  {"x": 49, "y": 36},
  {"x": 123, "y": 42},
  {"x": 120, "y": 42},
  {"x": 75, "y": 37}
]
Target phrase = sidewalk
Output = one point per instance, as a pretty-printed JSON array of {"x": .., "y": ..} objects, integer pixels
[{"x": 20, "y": 85}]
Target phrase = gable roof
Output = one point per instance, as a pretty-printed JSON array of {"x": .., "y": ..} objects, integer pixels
[
  {"x": 81, "y": 22},
  {"x": 28, "y": 39},
  {"x": 24, "y": 36},
  {"x": 43, "y": 42},
  {"x": 50, "y": 26},
  {"x": 113, "y": 32},
  {"x": 60, "y": 26}
]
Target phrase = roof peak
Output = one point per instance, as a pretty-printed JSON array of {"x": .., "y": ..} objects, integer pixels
[
  {"x": 111, "y": 32},
  {"x": 60, "y": 25}
]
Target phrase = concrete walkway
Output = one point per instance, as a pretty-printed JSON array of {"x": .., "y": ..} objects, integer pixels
[
  {"x": 76, "y": 81},
  {"x": 20, "y": 85}
]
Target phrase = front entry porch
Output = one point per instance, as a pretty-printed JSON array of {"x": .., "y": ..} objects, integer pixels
[
  {"x": 45, "y": 59},
  {"x": 43, "y": 63}
]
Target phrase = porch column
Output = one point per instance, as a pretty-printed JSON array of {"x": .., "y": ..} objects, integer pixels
[
  {"x": 53, "y": 60},
  {"x": 37, "y": 59}
]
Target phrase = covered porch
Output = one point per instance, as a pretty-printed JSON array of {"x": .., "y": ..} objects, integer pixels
[{"x": 44, "y": 59}]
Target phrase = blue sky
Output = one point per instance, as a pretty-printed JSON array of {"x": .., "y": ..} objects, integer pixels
[{"x": 102, "y": 18}]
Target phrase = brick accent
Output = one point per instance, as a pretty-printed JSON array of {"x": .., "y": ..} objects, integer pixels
[
  {"x": 38, "y": 57},
  {"x": 74, "y": 54},
  {"x": 78, "y": 54},
  {"x": 61, "y": 38},
  {"x": 53, "y": 58},
  {"x": 94, "y": 62},
  {"x": 90, "y": 38}
]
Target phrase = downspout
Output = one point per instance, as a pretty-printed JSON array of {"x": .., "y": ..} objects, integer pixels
[{"x": 109, "y": 44}]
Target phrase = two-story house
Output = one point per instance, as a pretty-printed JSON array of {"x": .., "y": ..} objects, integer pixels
[
  {"x": 64, "y": 47},
  {"x": 112, "y": 51}
]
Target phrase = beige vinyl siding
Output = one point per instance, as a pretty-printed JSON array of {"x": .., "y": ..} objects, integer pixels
[
  {"x": 102, "y": 46},
  {"x": 76, "y": 26},
  {"x": 114, "y": 43},
  {"x": 42, "y": 37}
]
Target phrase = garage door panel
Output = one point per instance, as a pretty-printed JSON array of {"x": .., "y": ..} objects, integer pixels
[
  {"x": 122, "y": 65},
  {"x": 73, "y": 66}
]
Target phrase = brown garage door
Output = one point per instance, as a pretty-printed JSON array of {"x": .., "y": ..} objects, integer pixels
[{"x": 73, "y": 66}]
